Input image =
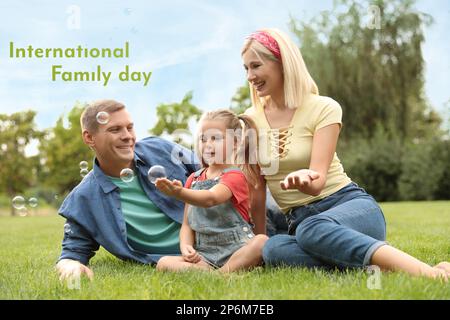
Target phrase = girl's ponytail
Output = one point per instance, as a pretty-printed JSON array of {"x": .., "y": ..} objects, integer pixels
[{"x": 247, "y": 154}]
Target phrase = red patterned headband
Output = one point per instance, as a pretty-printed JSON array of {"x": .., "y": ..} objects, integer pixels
[{"x": 267, "y": 41}]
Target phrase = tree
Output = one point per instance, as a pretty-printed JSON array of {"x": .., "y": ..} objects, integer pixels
[
  {"x": 62, "y": 150},
  {"x": 375, "y": 70},
  {"x": 173, "y": 119},
  {"x": 18, "y": 171},
  {"x": 241, "y": 100}
]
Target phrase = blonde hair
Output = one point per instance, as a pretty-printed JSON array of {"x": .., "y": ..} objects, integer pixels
[
  {"x": 243, "y": 127},
  {"x": 297, "y": 80}
]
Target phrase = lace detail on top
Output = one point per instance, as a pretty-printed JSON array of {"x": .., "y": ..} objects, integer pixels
[{"x": 280, "y": 140}]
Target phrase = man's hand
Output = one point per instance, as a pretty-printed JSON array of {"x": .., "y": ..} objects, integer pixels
[
  {"x": 171, "y": 188},
  {"x": 300, "y": 180},
  {"x": 190, "y": 254},
  {"x": 68, "y": 268}
]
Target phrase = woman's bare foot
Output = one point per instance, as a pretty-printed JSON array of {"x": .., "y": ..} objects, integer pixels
[
  {"x": 444, "y": 266},
  {"x": 441, "y": 271}
]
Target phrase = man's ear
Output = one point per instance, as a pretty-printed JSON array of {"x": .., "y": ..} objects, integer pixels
[{"x": 88, "y": 138}]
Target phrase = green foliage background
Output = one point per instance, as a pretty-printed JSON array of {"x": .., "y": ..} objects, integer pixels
[{"x": 393, "y": 142}]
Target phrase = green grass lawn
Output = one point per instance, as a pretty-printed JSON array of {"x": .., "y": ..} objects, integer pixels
[{"x": 31, "y": 245}]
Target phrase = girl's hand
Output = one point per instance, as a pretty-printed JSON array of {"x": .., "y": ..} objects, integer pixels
[
  {"x": 300, "y": 180},
  {"x": 171, "y": 188},
  {"x": 189, "y": 254}
]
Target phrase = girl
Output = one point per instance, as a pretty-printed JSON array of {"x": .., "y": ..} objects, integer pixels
[
  {"x": 332, "y": 221},
  {"x": 216, "y": 231}
]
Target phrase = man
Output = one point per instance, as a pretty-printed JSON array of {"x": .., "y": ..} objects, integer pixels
[{"x": 130, "y": 219}]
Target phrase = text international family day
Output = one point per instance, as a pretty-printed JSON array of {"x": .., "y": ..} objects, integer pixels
[{"x": 80, "y": 52}]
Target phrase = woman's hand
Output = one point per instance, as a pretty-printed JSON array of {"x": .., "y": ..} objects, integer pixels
[
  {"x": 300, "y": 180},
  {"x": 190, "y": 254},
  {"x": 171, "y": 188}
]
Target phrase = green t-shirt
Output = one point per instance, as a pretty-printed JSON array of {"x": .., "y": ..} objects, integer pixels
[{"x": 148, "y": 229}]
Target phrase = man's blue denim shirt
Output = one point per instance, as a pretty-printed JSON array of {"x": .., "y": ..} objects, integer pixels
[{"x": 93, "y": 208}]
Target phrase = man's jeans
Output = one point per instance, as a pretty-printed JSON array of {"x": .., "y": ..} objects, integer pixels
[{"x": 342, "y": 230}]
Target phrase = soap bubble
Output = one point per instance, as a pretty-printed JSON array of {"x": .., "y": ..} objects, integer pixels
[
  {"x": 74, "y": 281},
  {"x": 67, "y": 228},
  {"x": 102, "y": 117},
  {"x": 18, "y": 202},
  {"x": 156, "y": 172},
  {"x": 84, "y": 172},
  {"x": 33, "y": 202},
  {"x": 84, "y": 165},
  {"x": 127, "y": 175},
  {"x": 127, "y": 11},
  {"x": 23, "y": 212}
]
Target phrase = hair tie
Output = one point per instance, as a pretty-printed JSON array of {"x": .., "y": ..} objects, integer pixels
[
  {"x": 267, "y": 41},
  {"x": 241, "y": 122}
]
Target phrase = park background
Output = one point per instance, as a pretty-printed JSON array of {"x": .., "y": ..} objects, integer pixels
[{"x": 386, "y": 62}]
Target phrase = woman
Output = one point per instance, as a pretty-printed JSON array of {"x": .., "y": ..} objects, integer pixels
[{"x": 332, "y": 221}]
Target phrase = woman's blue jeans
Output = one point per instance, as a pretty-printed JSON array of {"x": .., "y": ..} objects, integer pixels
[{"x": 342, "y": 230}]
